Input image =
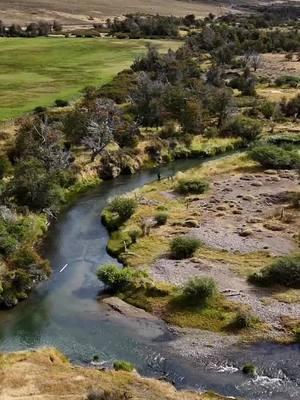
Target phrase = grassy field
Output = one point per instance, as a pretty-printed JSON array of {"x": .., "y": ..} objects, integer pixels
[{"x": 37, "y": 71}]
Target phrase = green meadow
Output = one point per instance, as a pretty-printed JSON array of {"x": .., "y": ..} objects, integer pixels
[{"x": 38, "y": 71}]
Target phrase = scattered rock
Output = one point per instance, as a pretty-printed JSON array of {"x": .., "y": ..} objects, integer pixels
[
  {"x": 248, "y": 197},
  {"x": 221, "y": 207},
  {"x": 191, "y": 223},
  {"x": 270, "y": 172},
  {"x": 246, "y": 232},
  {"x": 273, "y": 226},
  {"x": 257, "y": 183}
]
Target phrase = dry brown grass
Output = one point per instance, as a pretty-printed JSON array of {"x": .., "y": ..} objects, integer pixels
[
  {"x": 81, "y": 11},
  {"x": 45, "y": 374}
]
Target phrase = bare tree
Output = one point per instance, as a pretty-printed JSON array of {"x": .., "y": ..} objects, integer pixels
[
  {"x": 102, "y": 125},
  {"x": 253, "y": 60},
  {"x": 51, "y": 149}
]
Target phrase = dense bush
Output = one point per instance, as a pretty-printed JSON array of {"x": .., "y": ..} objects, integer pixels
[
  {"x": 121, "y": 365},
  {"x": 61, "y": 103},
  {"x": 191, "y": 186},
  {"x": 123, "y": 206},
  {"x": 285, "y": 272},
  {"x": 287, "y": 80},
  {"x": 244, "y": 127},
  {"x": 249, "y": 369},
  {"x": 199, "y": 291},
  {"x": 272, "y": 156},
  {"x": 120, "y": 279},
  {"x": 244, "y": 320},
  {"x": 297, "y": 335},
  {"x": 161, "y": 218},
  {"x": 184, "y": 247},
  {"x": 4, "y": 166}
]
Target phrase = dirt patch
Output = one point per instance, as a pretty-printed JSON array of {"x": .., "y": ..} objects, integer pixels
[
  {"x": 275, "y": 65},
  {"x": 242, "y": 214}
]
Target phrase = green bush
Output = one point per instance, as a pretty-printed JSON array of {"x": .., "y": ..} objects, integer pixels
[
  {"x": 134, "y": 234},
  {"x": 297, "y": 335},
  {"x": 267, "y": 108},
  {"x": 192, "y": 186},
  {"x": 120, "y": 279},
  {"x": 4, "y": 166},
  {"x": 123, "y": 206},
  {"x": 249, "y": 369},
  {"x": 285, "y": 272},
  {"x": 184, "y": 247},
  {"x": 121, "y": 365},
  {"x": 247, "y": 128},
  {"x": 61, "y": 103},
  {"x": 287, "y": 80},
  {"x": 199, "y": 291},
  {"x": 161, "y": 218},
  {"x": 272, "y": 156},
  {"x": 244, "y": 320}
]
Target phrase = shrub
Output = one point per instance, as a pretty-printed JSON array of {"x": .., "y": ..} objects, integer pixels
[
  {"x": 192, "y": 186},
  {"x": 161, "y": 218},
  {"x": 247, "y": 128},
  {"x": 287, "y": 80},
  {"x": 61, "y": 103},
  {"x": 40, "y": 110},
  {"x": 123, "y": 206},
  {"x": 249, "y": 369},
  {"x": 199, "y": 291},
  {"x": 244, "y": 320},
  {"x": 120, "y": 279},
  {"x": 285, "y": 271},
  {"x": 297, "y": 335},
  {"x": 4, "y": 166},
  {"x": 99, "y": 394},
  {"x": 121, "y": 365},
  {"x": 134, "y": 234},
  {"x": 184, "y": 247},
  {"x": 272, "y": 156},
  {"x": 267, "y": 108}
]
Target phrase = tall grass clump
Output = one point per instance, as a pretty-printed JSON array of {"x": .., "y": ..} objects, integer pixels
[
  {"x": 119, "y": 279},
  {"x": 184, "y": 247},
  {"x": 285, "y": 272},
  {"x": 199, "y": 291}
]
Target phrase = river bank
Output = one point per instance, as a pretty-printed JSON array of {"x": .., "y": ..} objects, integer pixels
[{"x": 57, "y": 309}]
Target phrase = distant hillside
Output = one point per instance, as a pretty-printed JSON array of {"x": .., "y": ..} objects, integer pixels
[{"x": 82, "y": 11}]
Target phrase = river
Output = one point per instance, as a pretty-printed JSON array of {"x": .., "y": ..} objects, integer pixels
[{"x": 64, "y": 312}]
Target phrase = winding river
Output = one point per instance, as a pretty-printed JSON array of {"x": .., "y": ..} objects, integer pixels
[{"x": 63, "y": 312}]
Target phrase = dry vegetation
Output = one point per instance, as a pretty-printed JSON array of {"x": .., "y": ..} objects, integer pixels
[
  {"x": 45, "y": 374},
  {"x": 86, "y": 12}
]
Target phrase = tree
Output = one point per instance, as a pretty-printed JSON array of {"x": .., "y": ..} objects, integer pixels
[
  {"x": 104, "y": 119},
  {"x": 219, "y": 103},
  {"x": 31, "y": 185},
  {"x": 253, "y": 60},
  {"x": 146, "y": 99},
  {"x": 57, "y": 26}
]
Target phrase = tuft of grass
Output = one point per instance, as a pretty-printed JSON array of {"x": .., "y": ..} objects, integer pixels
[
  {"x": 121, "y": 365},
  {"x": 184, "y": 247}
]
